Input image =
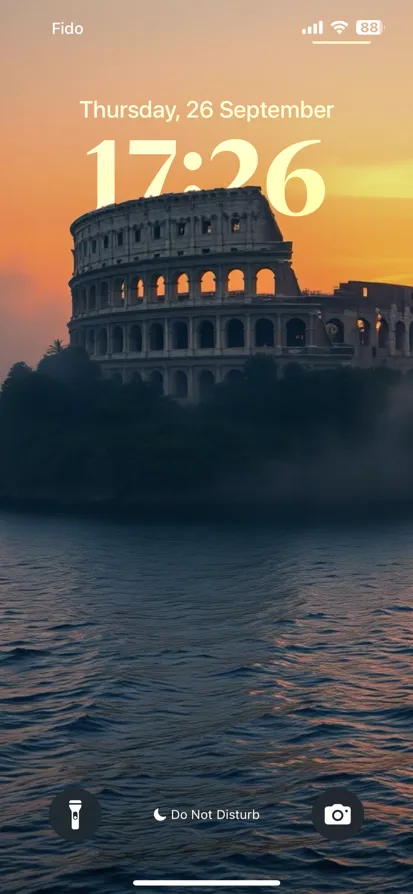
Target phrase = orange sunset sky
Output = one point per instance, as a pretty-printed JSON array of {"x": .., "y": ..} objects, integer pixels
[{"x": 171, "y": 52}]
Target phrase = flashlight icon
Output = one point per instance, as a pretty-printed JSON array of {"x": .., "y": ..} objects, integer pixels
[{"x": 75, "y": 808}]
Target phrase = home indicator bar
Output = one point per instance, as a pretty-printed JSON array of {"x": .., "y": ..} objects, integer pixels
[{"x": 208, "y": 883}]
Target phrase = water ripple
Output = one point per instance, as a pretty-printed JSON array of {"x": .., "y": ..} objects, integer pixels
[{"x": 205, "y": 667}]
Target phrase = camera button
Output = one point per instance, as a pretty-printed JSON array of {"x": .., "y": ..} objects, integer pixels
[{"x": 338, "y": 814}]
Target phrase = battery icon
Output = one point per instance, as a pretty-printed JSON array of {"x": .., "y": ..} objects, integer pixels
[{"x": 371, "y": 27}]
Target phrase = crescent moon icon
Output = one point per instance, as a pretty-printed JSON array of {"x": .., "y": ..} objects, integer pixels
[{"x": 158, "y": 816}]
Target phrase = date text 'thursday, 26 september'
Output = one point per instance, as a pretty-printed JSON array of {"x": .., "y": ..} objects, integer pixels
[{"x": 204, "y": 110}]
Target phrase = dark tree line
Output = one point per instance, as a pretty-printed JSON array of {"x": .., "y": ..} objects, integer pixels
[{"x": 71, "y": 437}]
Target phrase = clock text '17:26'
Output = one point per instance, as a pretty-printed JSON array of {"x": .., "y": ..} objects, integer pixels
[{"x": 277, "y": 175}]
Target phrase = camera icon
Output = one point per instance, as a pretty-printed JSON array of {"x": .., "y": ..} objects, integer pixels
[{"x": 337, "y": 815}]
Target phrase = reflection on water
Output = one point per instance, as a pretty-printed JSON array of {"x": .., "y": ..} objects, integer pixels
[{"x": 205, "y": 667}]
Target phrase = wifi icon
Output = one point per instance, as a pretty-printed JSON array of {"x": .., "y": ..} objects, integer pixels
[{"x": 339, "y": 26}]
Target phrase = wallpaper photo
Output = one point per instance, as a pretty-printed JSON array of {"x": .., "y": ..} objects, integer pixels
[{"x": 206, "y": 416}]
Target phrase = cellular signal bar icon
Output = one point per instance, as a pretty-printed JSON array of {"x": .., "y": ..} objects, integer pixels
[{"x": 317, "y": 28}]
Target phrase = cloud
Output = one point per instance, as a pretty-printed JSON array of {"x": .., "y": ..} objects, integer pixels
[
  {"x": 384, "y": 181},
  {"x": 31, "y": 317}
]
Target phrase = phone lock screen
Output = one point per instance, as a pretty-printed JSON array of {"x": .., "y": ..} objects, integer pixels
[{"x": 206, "y": 451}]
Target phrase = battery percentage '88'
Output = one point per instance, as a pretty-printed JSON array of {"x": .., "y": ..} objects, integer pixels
[
  {"x": 369, "y": 26},
  {"x": 277, "y": 175}
]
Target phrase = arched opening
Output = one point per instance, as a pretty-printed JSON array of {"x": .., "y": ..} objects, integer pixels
[
  {"x": 399, "y": 335},
  {"x": 102, "y": 342},
  {"x": 235, "y": 223},
  {"x": 139, "y": 291},
  {"x": 182, "y": 284},
  {"x": 206, "y": 334},
  {"x": 382, "y": 332},
  {"x": 103, "y": 295},
  {"x": 135, "y": 339},
  {"x": 156, "y": 379},
  {"x": 119, "y": 293},
  {"x": 91, "y": 341},
  {"x": 160, "y": 287},
  {"x": 411, "y": 338},
  {"x": 235, "y": 281},
  {"x": 92, "y": 298},
  {"x": 206, "y": 382},
  {"x": 296, "y": 331},
  {"x": 208, "y": 283},
  {"x": 136, "y": 378},
  {"x": 180, "y": 336},
  {"x": 265, "y": 282},
  {"x": 180, "y": 384},
  {"x": 75, "y": 304},
  {"x": 235, "y": 334},
  {"x": 363, "y": 327},
  {"x": 264, "y": 334},
  {"x": 335, "y": 331},
  {"x": 156, "y": 338},
  {"x": 233, "y": 376},
  {"x": 82, "y": 301},
  {"x": 117, "y": 340}
]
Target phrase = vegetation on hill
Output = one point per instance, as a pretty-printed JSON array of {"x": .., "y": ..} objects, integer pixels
[{"x": 301, "y": 439}]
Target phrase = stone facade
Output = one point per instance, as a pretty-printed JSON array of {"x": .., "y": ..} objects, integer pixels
[{"x": 181, "y": 289}]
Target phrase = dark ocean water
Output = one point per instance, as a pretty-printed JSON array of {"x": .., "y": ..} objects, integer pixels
[{"x": 200, "y": 666}]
